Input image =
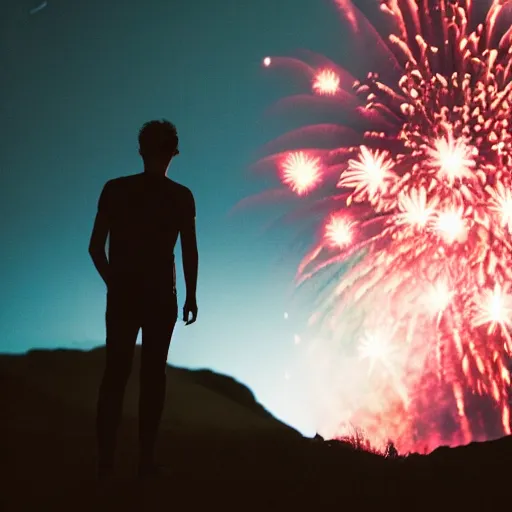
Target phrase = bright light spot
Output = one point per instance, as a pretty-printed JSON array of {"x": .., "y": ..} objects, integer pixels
[
  {"x": 494, "y": 307},
  {"x": 287, "y": 376},
  {"x": 501, "y": 203},
  {"x": 338, "y": 231},
  {"x": 301, "y": 171},
  {"x": 368, "y": 173},
  {"x": 377, "y": 347},
  {"x": 267, "y": 61},
  {"x": 451, "y": 226},
  {"x": 452, "y": 158},
  {"x": 415, "y": 209},
  {"x": 285, "y": 315},
  {"x": 438, "y": 297},
  {"x": 326, "y": 82},
  {"x": 296, "y": 339}
]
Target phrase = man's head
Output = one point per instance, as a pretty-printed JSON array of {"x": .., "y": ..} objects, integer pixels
[{"x": 158, "y": 144}]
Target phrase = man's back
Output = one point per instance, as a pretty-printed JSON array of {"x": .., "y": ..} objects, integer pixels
[
  {"x": 143, "y": 215},
  {"x": 146, "y": 213}
]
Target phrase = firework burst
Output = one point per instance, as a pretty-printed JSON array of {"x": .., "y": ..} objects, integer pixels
[{"x": 420, "y": 322}]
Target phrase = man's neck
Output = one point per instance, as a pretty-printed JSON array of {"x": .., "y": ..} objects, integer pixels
[
  {"x": 154, "y": 173},
  {"x": 156, "y": 168}
]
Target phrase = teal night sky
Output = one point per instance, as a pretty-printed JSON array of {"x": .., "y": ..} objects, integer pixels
[{"x": 78, "y": 79}]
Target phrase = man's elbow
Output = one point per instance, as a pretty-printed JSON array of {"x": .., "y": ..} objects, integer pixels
[{"x": 95, "y": 251}]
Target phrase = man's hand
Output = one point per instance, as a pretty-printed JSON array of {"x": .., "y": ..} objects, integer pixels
[{"x": 190, "y": 307}]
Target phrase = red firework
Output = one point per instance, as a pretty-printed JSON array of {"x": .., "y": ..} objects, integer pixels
[{"x": 415, "y": 334}]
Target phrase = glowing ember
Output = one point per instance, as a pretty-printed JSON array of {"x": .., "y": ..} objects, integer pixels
[
  {"x": 326, "y": 82},
  {"x": 377, "y": 348},
  {"x": 414, "y": 208},
  {"x": 438, "y": 297},
  {"x": 450, "y": 225},
  {"x": 338, "y": 231},
  {"x": 301, "y": 171},
  {"x": 427, "y": 180},
  {"x": 368, "y": 174},
  {"x": 451, "y": 158}
]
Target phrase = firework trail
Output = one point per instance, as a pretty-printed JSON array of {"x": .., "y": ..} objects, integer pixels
[{"x": 414, "y": 242}]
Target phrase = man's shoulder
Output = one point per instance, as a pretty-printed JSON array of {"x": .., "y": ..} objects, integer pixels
[
  {"x": 128, "y": 178},
  {"x": 123, "y": 184},
  {"x": 180, "y": 189},
  {"x": 118, "y": 181},
  {"x": 178, "y": 186},
  {"x": 185, "y": 199},
  {"x": 131, "y": 182}
]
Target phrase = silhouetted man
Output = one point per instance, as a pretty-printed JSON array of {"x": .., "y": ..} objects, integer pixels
[{"x": 143, "y": 215}]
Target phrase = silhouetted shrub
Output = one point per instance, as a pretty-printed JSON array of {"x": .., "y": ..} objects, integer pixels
[{"x": 359, "y": 441}]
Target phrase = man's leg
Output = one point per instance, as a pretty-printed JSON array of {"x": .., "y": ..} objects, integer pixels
[
  {"x": 161, "y": 313},
  {"x": 122, "y": 326}
]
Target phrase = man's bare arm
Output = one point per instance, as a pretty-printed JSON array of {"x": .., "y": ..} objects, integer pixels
[
  {"x": 97, "y": 243},
  {"x": 190, "y": 258}
]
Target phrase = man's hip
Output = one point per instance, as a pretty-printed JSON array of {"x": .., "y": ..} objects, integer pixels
[{"x": 150, "y": 300}]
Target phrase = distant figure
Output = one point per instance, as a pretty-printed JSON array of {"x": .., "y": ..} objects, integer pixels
[{"x": 143, "y": 214}]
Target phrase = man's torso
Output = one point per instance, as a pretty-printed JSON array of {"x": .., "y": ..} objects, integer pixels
[{"x": 145, "y": 216}]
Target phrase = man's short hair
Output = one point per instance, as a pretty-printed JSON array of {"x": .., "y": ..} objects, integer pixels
[{"x": 157, "y": 139}]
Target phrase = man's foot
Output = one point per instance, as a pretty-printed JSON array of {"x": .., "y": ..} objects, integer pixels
[{"x": 153, "y": 471}]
